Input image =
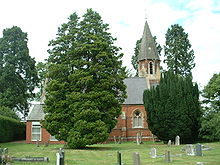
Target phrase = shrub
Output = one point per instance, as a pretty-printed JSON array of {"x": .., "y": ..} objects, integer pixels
[{"x": 11, "y": 129}]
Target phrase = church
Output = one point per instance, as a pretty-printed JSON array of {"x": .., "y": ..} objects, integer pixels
[{"x": 133, "y": 119}]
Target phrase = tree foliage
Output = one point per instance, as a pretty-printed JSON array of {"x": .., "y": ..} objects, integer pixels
[
  {"x": 210, "y": 129},
  {"x": 41, "y": 68},
  {"x": 173, "y": 108},
  {"x": 85, "y": 88},
  {"x": 5, "y": 111},
  {"x": 18, "y": 76},
  {"x": 134, "y": 58},
  {"x": 179, "y": 56}
]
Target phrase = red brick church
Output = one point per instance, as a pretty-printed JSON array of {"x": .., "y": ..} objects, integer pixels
[{"x": 133, "y": 118}]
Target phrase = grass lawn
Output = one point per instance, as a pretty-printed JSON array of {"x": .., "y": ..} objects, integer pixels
[{"x": 106, "y": 154}]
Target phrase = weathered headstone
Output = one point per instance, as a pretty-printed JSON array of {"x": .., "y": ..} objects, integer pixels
[
  {"x": 198, "y": 150},
  {"x": 153, "y": 138},
  {"x": 30, "y": 159},
  {"x": 153, "y": 153},
  {"x": 190, "y": 150},
  {"x": 177, "y": 140},
  {"x": 136, "y": 158},
  {"x": 1, "y": 153},
  {"x": 167, "y": 156},
  {"x": 119, "y": 140},
  {"x": 60, "y": 157},
  {"x": 169, "y": 143},
  {"x": 119, "y": 158},
  {"x": 37, "y": 143},
  {"x": 115, "y": 140},
  {"x": 138, "y": 138}
]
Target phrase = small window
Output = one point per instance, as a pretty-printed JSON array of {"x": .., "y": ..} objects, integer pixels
[
  {"x": 137, "y": 119},
  {"x": 52, "y": 138},
  {"x": 36, "y": 131},
  {"x": 151, "y": 67}
]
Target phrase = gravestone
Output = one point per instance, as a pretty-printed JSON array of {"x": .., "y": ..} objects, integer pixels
[
  {"x": 60, "y": 157},
  {"x": 169, "y": 143},
  {"x": 167, "y": 156},
  {"x": 190, "y": 150},
  {"x": 153, "y": 153},
  {"x": 119, "y": 158},
  {"x": 138, "y": 138},
  {"x": 177, "y": 140},
  {"x": 1, "y": 152},
  {"x": 136, "y": 158},
  {"x": 198, "y": 150},
  {"x": 115, "y": 140},
  {"x": 37, "y": 143},
  {"x": 30, "y": 159}
]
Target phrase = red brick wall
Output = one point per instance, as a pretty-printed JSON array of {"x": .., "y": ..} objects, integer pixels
[
  {"x": 45, "y": 136},
  {"x": 124, "y": 127}
]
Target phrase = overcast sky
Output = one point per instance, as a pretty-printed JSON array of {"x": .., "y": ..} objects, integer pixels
[{"x": 200, "y": 19}]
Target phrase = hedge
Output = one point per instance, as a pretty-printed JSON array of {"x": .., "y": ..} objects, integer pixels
[{"x": 11, "y": 129}]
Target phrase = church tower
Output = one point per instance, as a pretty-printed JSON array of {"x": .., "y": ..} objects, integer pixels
[{"x": 148, "y": 59}]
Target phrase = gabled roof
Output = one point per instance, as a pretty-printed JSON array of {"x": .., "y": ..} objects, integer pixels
[
  {"x": 147, "y": 47},
  {"x": 36, "y": 113},
  {"x": 135, "y": 90}
]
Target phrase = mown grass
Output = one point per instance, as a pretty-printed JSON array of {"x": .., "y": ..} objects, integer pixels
[{"x": 106, "y": 154}]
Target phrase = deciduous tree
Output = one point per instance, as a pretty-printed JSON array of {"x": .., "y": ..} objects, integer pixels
[
  {"x": 210, "y": 129},
  {"x": 18, "y": 76}
]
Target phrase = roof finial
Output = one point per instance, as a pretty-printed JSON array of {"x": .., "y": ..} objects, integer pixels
[{"x": 145, "y": 13}]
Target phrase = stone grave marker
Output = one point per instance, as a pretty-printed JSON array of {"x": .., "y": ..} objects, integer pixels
[
  {"x": 60, "y": 157},
  {"x": 153, "y": 153},
  {"x": 169, "y": 143},
  {"x": 115, "y": 140},
  {"x": 177, "y": 140},
  {"x": 138, "y": 138},
  {"x": 119, "y": 158},
  {"x": 136, "y": 158},
  {"x": 167, "y": 156},
  {"x": 190, "y": 150},
  {"x": 30, "y": 159},
  {"x": 198, "y": 150}
]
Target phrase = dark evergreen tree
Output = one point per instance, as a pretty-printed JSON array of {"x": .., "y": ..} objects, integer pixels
[
  {"x": 18, "y": 76},
  {"x": 179, "y": 56},
  {"x": 173, "y": 108},
  {"x": 85, "y": 88},
  {"x": 134, "y": 58},
  {"x": 211, "y": 110}
]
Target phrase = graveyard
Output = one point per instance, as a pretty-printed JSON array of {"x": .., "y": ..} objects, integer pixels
[{"x": 150, "y": 153}]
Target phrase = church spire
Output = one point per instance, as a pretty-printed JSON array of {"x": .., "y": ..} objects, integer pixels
[
  {"x": 147, "y": 48},
  {"x": 148, "y": 59}
]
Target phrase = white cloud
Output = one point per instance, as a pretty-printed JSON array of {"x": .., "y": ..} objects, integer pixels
[{"x": 40, "y": 19}]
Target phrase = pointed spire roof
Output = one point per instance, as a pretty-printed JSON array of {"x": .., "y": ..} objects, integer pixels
[{"x": 147, "y": 47}]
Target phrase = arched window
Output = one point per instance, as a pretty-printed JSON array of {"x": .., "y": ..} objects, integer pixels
[
  {"x": 137, "y": 119},
  {"x": 151, "y": 68}
]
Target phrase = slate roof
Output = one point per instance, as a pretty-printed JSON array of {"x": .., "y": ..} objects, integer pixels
[
  {"x": 147, "y": 47},
  {"x": 36, "y": 113},
  {"x": 135, "y": 90}
]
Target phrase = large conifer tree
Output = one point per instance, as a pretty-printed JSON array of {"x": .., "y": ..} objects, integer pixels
[
  {"x": 173, "y": 108},
  {"x": 85, "y": 86},
  {"x": 179, "y": 56}
]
